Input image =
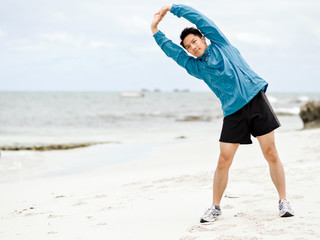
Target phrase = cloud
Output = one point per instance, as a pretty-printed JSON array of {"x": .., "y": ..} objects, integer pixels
[
  {"x": 146, "y": 49},
  {"x": 30, "y": 47},
  {"x": 100, "y": 33},
  {"x": 62, "y": 38},
  {"x": 134, "y": 24},
  {"x": 253, "y": 38},
  {"x": 2, "y": 33},
  {"x": 101, "y": 44}
]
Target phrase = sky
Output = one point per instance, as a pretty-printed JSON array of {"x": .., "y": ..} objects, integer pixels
[{"x": 104, "y": 45}]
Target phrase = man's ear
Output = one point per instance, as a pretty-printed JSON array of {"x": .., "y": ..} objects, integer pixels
[{"x": 203, "y": 38}]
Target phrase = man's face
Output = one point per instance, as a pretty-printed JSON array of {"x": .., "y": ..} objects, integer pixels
[{"x": 195, "y": 45}]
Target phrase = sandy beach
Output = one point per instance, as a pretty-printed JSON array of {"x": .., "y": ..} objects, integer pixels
[
  {"x": 111, "y": 114},
  {"x": 162, "y": 195}
]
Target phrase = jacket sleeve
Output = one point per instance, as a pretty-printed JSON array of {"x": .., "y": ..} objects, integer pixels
[
  {"x": 207, "y": 27},
  {"x": 177, "y": 53}
]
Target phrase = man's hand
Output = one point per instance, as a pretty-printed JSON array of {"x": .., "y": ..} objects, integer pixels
[
  {"x": 158, "y": 17},
  {"x": 163, "y": 11},
  {"x": 155, "y": 22}
]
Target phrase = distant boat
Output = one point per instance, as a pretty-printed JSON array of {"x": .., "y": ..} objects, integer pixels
[
  {"x": 132, "y": 94},
  {"x": 178, "y": 90}
]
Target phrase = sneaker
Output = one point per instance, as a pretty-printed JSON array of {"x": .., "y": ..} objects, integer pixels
[
  {"x": 285, "y": 209},
  {"x": 211, "y": 215}
]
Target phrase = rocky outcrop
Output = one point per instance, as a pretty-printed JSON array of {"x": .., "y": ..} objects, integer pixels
[
  {"x": 62, "y": 146},
  {"x": 194, "y": 119},
  {"x": 310, "y": 114}
]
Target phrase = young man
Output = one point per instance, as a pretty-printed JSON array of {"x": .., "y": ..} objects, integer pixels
[{"x": 241, "y": 91}]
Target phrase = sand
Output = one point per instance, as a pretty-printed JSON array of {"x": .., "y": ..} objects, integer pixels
[{"x": 162, "y": 195}]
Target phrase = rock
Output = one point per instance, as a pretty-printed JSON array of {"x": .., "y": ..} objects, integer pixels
[
  {"x": 310, "y": 114},
  {"x": 181, "y": 137},
  {"x": 194, "y": 119}
]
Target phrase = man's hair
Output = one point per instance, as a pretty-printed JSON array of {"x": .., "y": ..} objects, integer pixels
[{"x": 187, "y": 31}]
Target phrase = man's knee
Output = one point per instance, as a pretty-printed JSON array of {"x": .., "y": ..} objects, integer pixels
[
  {"x": 227, "y": 152},
  {"x": 271, "y": 154},
  {"x": 224, "y": 162}
]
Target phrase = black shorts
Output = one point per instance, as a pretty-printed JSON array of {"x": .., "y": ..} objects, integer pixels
[{"x": 256, "y": 118}]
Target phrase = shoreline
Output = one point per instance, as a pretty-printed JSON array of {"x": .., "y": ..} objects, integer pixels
[{"x": 26, "y": 164}]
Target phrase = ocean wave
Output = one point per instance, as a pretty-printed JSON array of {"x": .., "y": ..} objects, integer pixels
[
  {"x": 288, "y": 99},
  {"x": 272, "y": 99},
  {"x": 289, "y": 111},
  {"x": 300, "y": 99}
]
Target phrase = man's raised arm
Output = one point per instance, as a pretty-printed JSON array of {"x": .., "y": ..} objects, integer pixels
[
  {"x": 207, "y": 27},
  {"x": 171, "y": 49},
  {"x": 158, "y": 17}
]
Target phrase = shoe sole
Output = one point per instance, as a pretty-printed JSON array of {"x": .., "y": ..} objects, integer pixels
[
  {"x": 287, "y": 214},
  {"x": 208, "y": 222}
]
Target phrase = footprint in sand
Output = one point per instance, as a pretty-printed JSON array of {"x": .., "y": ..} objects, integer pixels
[
  {"x": 26, "y": 212},
  {"x": 55, "y": 216},
  {"x": 79, "y": 203},
  {"x": 199, "y": 228},
  {"x": 30, "y": 214},
  {"x": 188, "y": 238},
  {"x": 101, "y": 224},
  {"x": 231, "y": 196},
  {"x": 146, "y": 187},
  {"x": 100, "y": 196},
  {"x": 240, "y": 214},
  {"x": 297, "y": 197},
  {"x": 60, "y": 196},
  {"x": 227, "y": 207}
]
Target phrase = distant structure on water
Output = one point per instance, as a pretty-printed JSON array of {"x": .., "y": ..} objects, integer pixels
[{"x": 132, "y": 94}]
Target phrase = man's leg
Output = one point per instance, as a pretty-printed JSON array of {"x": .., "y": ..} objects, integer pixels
[
  {"x": 268, "y": 147},
  {"x": 227, "y": 152},
  {"x": 220, "y": 181}
]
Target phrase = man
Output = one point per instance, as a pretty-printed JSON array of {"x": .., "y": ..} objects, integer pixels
[{"x": 241, "y": 91}]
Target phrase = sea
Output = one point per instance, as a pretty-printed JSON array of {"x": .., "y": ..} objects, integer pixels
[{"x": 29, "y": 119}]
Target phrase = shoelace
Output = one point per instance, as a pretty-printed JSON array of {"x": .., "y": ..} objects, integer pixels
[
  {"x": 285, "y": 204},
  {"x": 212, "y": 211}
]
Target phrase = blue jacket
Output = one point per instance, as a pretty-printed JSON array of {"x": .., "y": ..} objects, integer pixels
[{"x": 221, "y": 66}]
